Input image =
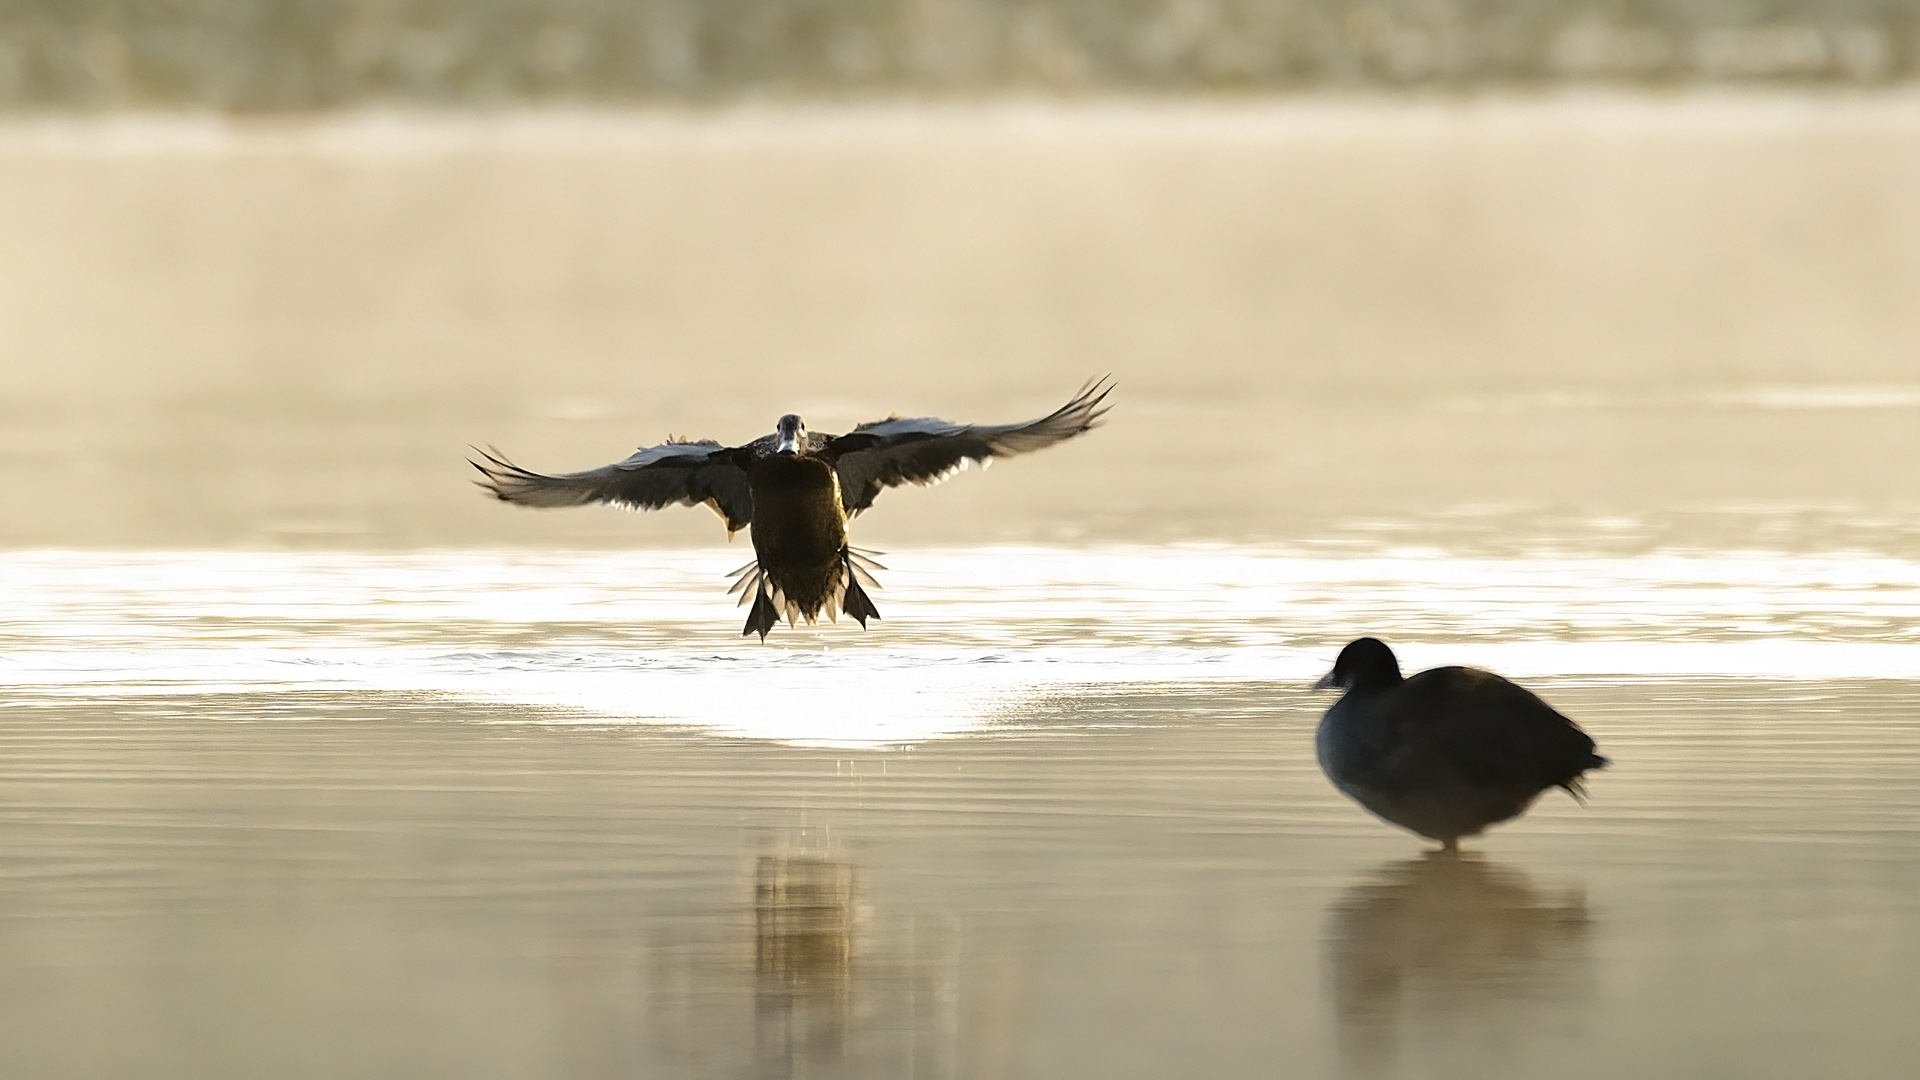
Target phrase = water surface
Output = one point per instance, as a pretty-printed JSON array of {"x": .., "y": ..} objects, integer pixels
[{"x": 545, "y": 814}]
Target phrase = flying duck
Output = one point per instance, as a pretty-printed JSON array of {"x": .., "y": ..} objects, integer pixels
[
  {"x": 1447, "y": 752},
  {"x": 795, "y": 490}
]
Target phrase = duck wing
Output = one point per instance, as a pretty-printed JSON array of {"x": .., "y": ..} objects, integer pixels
[
  {"x": 671, "y": 474},
  {"x": 927, "y": 450}
]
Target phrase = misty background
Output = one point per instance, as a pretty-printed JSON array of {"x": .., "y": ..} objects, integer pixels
[{"x": 1625, "y": 275}]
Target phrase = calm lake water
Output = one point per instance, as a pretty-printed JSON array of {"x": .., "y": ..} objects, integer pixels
[
  {"x": 313, "y": 763},
  {"x": 545, "y": 814}
]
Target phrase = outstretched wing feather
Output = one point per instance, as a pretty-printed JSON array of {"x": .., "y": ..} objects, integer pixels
[
  {"x": 926, "y": 450},
  {"x": 672, "y": 474}
]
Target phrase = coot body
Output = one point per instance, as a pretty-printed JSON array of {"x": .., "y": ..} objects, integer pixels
[{"x": 1447, "y": 752}]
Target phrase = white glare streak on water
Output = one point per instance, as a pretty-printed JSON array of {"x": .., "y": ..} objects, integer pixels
[{"x": 650, "y": 637}]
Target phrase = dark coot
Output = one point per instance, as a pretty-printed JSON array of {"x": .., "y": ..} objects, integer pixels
[{"x": 1447, "y": 752}]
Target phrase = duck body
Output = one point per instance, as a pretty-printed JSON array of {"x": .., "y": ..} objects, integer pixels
[
  {"x": 796, "y": 491},
  {"x": 1447, "y": 752},
  {"x": 801, "y": 558}
]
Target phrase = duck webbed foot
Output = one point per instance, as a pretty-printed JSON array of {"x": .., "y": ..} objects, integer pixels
[
  {"x": 860, "y": 605},
  {"x": 856, "y": 602},
  {"x": 751, "y": 583},
  {"x": 762, "y": 617}
]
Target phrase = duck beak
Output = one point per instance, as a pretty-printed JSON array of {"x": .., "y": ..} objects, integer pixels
[{"x": 790, "y": 431}]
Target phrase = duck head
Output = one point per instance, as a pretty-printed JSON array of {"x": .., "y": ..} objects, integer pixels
[
  {"x": 1365, "y": 664},
  {"x": 792, "y": 433}
]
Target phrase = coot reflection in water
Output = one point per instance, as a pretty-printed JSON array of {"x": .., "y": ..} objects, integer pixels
[{"x": 1445, "y": 950}]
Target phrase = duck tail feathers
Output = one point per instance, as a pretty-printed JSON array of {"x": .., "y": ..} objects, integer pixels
[{"x": 746, "y": 582}]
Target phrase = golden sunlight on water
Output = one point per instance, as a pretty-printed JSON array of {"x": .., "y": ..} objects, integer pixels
[
  {"x": 313, "y": 762},
  {"x": 471, "y": 814},
  {"x": 1129, "y": 880}
]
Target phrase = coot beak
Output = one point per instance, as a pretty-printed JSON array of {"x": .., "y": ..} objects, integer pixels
[{"x": 1326, "y": 683}]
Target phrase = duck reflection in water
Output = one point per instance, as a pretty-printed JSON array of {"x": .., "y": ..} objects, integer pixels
[
  {"x": 804, "y": 915},
  {"x": 1449, "y": 952},
  {"x": 799, "y": 971}
]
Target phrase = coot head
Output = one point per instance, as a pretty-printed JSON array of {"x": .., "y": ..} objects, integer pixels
[
  {"x": 793, "y": 435},
  {"x": 1365, "y": 664}
]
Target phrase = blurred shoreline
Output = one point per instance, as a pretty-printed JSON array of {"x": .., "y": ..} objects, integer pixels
[
  {"x": 426, "y": 129},
  {"x": 298, "y": 56}
]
